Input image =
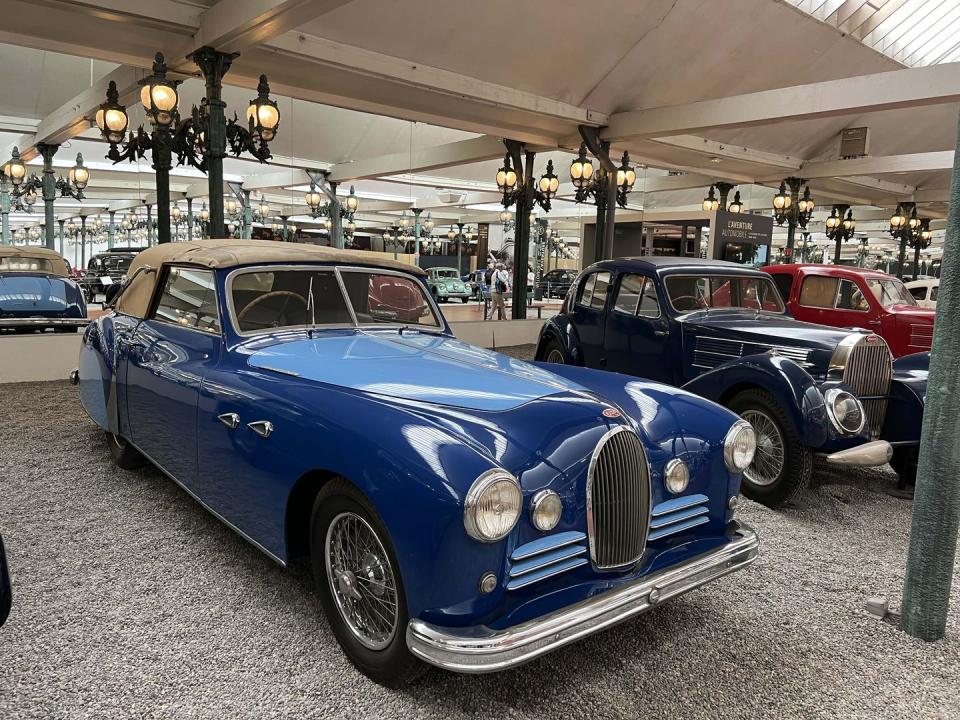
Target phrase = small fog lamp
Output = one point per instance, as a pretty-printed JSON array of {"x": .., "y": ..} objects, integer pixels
[
  {"x": 545, "y": 510},
  {"x": 676, "y": 476}
]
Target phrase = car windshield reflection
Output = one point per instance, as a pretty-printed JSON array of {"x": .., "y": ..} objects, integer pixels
[
  {"x": 690, "y": 293},
  {"x": 891, "y": 292}
]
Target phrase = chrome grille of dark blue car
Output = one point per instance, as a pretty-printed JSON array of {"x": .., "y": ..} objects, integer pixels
[
  {"x": 618, "y": 500},
  {"x": 545, "y": 558},
  {"x": 678, "y": 515},
  {"x": 710, "y": 352},
  {"x": 869, "y": 372}
]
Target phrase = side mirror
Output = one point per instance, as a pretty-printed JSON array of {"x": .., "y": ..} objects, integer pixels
[{"x": 111, "y": 293}]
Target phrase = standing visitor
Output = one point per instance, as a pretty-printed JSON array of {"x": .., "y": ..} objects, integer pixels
[{"x": 501, "y": 284}]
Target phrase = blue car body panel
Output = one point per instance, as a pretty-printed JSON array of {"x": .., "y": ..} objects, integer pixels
[
  {"x": 39, "y": 294},
  {"x": 767, "y": 347},
  {"x": 412, "y": 419}
]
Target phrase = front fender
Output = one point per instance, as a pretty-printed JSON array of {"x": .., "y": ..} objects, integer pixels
[
  {"x": 784, "y": 379},
  {"x": 908, "y": 392},
  {"x": 560, "y": 328}
]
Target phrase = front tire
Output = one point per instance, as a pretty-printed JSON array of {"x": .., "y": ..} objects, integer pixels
[
  {"x": 125, "y": 456},
  {"x": 904, "y": 463},
  {"x": 361, "y": 589},
  {"x": 782, "y": 466}
]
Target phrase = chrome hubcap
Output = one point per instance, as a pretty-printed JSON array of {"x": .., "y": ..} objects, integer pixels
[
  {"x": 361, "y": 580},
  {"x": 768, "y": 461},
  {"x": 555, "y": 356}
]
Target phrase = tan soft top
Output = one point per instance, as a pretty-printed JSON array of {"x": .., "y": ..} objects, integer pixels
[
  {"x": 218, "y": 254},
  {"x": 57, "y": 262}
]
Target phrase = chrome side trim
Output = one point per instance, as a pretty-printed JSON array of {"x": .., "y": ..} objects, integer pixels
[
  {"x": 481, "y": 649},
  {"x": 44, "y": 322},
  {"x": 218, "y": 516}
]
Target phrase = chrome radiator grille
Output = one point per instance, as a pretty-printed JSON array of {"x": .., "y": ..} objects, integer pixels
[
  {"x": 618, "y": 500},
  {"x": 868, "y": 372},
  {"x": 921, "y": 336}
]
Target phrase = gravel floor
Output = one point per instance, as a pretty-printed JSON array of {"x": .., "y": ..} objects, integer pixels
[{"x": 131, "y": 601}]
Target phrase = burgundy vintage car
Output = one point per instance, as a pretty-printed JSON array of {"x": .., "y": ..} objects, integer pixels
[{"x": 845, "y": 296}]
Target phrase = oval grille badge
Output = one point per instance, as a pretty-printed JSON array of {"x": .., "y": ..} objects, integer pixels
[
  {"x": 611, "y": 413},
  {"x": 872, "y": 338}
]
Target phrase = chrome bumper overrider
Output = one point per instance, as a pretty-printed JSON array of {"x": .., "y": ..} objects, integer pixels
[
  {"x": 869, "y": 454},
  {"x": 481, "y": 649}
]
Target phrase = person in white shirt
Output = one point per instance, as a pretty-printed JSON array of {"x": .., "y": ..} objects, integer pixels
[{"x": 500, "y": 285}]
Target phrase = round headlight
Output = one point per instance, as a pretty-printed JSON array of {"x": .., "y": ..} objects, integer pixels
[
  {"x": 545, "y": 510},
  {"x": 676, "y": 476},
  {"x": 845, "y": 411},
  {"x": 739, "y": 446},
  {"x": 492, "y": 506}
]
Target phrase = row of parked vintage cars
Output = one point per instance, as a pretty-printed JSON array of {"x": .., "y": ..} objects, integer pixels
[{"x": 463, "y": 508}]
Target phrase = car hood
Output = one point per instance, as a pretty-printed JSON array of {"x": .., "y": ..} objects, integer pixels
[
  {"x": 414, "y": 366},
  {"x": 913, "y": 314},
  {"x": 764, "y": 329}
]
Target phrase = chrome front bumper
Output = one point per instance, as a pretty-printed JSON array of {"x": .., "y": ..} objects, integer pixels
[
  {"x": 480, "y": 649},
  {"x": 869, "y": 454},
  {"x": 43, "y": 322}
]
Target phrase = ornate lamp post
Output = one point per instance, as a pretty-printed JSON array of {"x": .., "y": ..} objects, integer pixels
[
  {"x": 200, "y": 140},
  {"x": 608, "y": 186},
  {"x": 333, "y": 209},
  {"x": 793, "y": 210},
  {"x": 840, "y": 227},
  {"x": 517, "y": 186},
  {"x": 905, "y": 225},
  {"x": 920, "y": 241}
]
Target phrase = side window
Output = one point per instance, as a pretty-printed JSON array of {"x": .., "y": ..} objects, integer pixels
[
  {"x": 850, "y": 297},
  {"x": 600, "y": 289},
  {"x": 784, "y": 283},
  {"x": 649, "y": 303},
  {"x": 628, "y": 294},
  {"x": 586, "y": 293},
  {"x": 189, "y": 299},
  {"x": 818, "y": 291},
  {"x": 920, "y": 293},
  {"x": 934, "y": 291}
]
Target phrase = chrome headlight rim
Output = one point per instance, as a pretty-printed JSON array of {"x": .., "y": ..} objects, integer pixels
[
  {"x": 537, "y": 502},
  {"x": 674, "y": 466},
  {"x": 474, "y": 495},
  {"x": 830, "y": 398},
  {"x": 730, "y": 440}
]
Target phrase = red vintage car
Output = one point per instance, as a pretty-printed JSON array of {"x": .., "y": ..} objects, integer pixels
[{"x": 845, "y": 296}]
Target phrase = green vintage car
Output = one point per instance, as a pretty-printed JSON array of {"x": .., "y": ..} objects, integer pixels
[{"x": 445, "y": 284}]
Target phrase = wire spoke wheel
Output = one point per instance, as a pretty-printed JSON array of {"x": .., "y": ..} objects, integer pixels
[
  {"x": 767, "y": 465},
  {"x": 361, "y": 580},
  {"x": 555, "y": 356}
]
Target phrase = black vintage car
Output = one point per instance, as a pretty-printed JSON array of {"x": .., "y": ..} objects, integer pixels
[
  {"x": 720, "y": 330},
  {"x": 112, "y": 264},
  {"x": 556, "y": 283}
]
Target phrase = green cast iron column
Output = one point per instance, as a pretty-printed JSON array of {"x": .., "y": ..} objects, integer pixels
[
  {"x": 189, "y": 219},
  {"x": 150, "y": 221},
  {"x": 111, "y": 229},
  {"x": 62, "y": 223},
  {"x": 936, "y": 503},
  {"x": 521, "y": 240},
  {"x": 83, "y": 244},
  {"x": 4, "y": 209},
  {"x": 247, "y": 216},
  {"x": 49, "y": 191},
  {"x": 336, "y": 222},
  {"x": 214, "y": 65},
  {"x": 794, "y": 184},
  {"x": 416, "y": 235}
]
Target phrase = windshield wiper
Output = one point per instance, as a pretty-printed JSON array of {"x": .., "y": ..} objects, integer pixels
[{"x": 416, "y": 328}]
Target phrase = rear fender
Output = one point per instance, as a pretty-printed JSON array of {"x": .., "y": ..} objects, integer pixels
[
  {"x": 785, "y": 380},
  {"x": 97, "y": 370}
]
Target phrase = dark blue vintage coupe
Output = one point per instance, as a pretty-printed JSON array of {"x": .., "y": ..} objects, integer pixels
[
  {"x": 458, "y": 506},
  {"x": 720, "y": 330}
]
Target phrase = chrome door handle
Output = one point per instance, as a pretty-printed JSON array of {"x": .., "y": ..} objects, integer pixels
[
  {"x": 263, "y": 428},
  {"x": 231, "y": 420},
  {"x": 661, "y": 333}
]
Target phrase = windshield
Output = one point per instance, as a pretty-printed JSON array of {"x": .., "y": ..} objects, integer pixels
[
  {"x": 301, "y": 297},
  {"x": 689, "y": 293},
  {"x": 118, "y": 264},
  {"x": 891, "y": 292},
  {"x": 447, "y": 274}
]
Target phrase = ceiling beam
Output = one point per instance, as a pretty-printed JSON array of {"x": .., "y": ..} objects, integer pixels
[
  {"x": 234, "y": 25},
  {"x": 452, "y": 154},
  {"x": 914, "y": 87},
  {"x": 728, "y": 151},
  {"x": 881, "y": 165}
]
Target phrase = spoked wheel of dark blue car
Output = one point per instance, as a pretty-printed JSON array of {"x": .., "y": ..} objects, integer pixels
[
  {"x": 782, "y": 465},
  {"x": 124, "y": 455},
  {"x": 357, "y": 577},
  {"x": 553, "y": 352}
]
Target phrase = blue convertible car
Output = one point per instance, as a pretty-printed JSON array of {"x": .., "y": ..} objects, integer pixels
[
  {"x": 458, "y": 506},
  {"x": 720, "y": 330},
  {"x": 37, "y": 292}
]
